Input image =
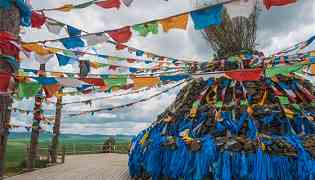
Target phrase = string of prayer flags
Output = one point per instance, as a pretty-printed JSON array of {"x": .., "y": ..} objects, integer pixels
[
  {"x": 297, "y": 47},
  {"x": 270, "y": 3},
  {"x": 207, "y": 17},
  {"x": 124, "y": 105},
  {"x": 119, "y": 36}
]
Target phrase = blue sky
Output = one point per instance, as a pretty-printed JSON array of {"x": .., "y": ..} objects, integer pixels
[{"x": 277, "y": 28}]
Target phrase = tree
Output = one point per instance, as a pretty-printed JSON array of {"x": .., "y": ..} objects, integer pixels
[
  {"x": 108, "y": 145},
  {"x": 9, "y": 22}
]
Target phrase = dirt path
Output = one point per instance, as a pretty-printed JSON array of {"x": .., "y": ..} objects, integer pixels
[{"x": 83, "y": 167}]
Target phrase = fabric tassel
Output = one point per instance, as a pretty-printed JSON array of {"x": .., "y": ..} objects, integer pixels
[
  {"x": 204, "y": 158},
  {"x": 226, "y": 167}
]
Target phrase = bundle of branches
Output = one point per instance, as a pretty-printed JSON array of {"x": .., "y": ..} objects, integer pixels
[{"x": 233, "y": 35}]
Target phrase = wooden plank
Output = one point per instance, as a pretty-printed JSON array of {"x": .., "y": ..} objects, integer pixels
[{"x": 87, "y": 167}]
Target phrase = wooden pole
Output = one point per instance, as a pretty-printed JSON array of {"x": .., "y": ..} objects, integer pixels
[
  {"x": 9, "y": 22},
  {"x": 35, "y": 127},
  {"x": 56, "y": 130}
]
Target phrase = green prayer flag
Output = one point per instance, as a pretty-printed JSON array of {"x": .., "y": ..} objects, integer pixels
[
  {"x": 244, "y": 103},
  {"x": 70, "y": 75},
  {"x": 312, "y": 104},
  {"x": 85, "y": 5},
  {"x": 196, "y": 104},
  {"x": 29, "y": 89},
  {"x": 145, "y": 29},
  {"x": 283, "y": 69},
  {"x": 112, "y": 81},
  {"x": 69, "y": 53},
  {"x": 284, "y": 100},
  {"x": 219, "y": 104},
  {"x": 296, "y": 107}
]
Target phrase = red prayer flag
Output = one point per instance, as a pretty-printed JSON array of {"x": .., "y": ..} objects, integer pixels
[
  {"x": 245, "y": 75},
  {"x": 121, "y": 35},
  {"x": 9, "y": 49},
  {"x": 95, "y": 81},
  {"x": 6, "y": 36},
  {"x": 37, "y": 20},
  {"x": 109, "y": 4},
  {"x": 113, "y": 67},
  {"x": 120, "y": 47},
  {"x": 130, "y": 60},
  {"x": 50, "y": 90},
  {"x": 270, "y": 3},
  {"x": 4, "y": 81}
]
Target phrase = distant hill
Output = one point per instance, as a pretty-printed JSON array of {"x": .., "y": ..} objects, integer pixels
[{"x": 69, "y": 137}]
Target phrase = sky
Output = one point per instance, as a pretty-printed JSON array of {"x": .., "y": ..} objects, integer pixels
[{"x": 278, "y": 28}]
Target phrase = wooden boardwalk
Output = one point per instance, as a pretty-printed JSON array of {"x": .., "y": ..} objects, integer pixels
[{"x": 83, "y": 167}]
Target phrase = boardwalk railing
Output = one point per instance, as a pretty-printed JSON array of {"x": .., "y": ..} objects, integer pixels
[
  {"x": 95, "y": 149},
  {"x": 44, "y": 153}
]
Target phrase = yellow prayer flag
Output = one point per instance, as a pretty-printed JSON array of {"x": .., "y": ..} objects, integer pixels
[
  {"x": 140, "y": 82},
  {"x": 312, "y": 69},
  {"x": 66, "y": 7},
  {"x": 179, "y": 22},
  {"x": 35, "y": 47},
  {"x": 57, "y": 74},
  {"x": 54, "y": 50},
  {"x": 95, "y": 65}
]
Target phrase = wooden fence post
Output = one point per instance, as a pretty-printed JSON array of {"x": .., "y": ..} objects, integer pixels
[
  {"x": 35, "y": 126},
  {"x": 56, "y": 130},
  {"x": 74, "y": 149},
  {"x": 63, "y": 156},
  {"x": 9, "y": 22}
]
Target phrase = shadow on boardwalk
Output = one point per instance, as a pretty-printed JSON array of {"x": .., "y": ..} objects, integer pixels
[{"x": 83, "y": 167}]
